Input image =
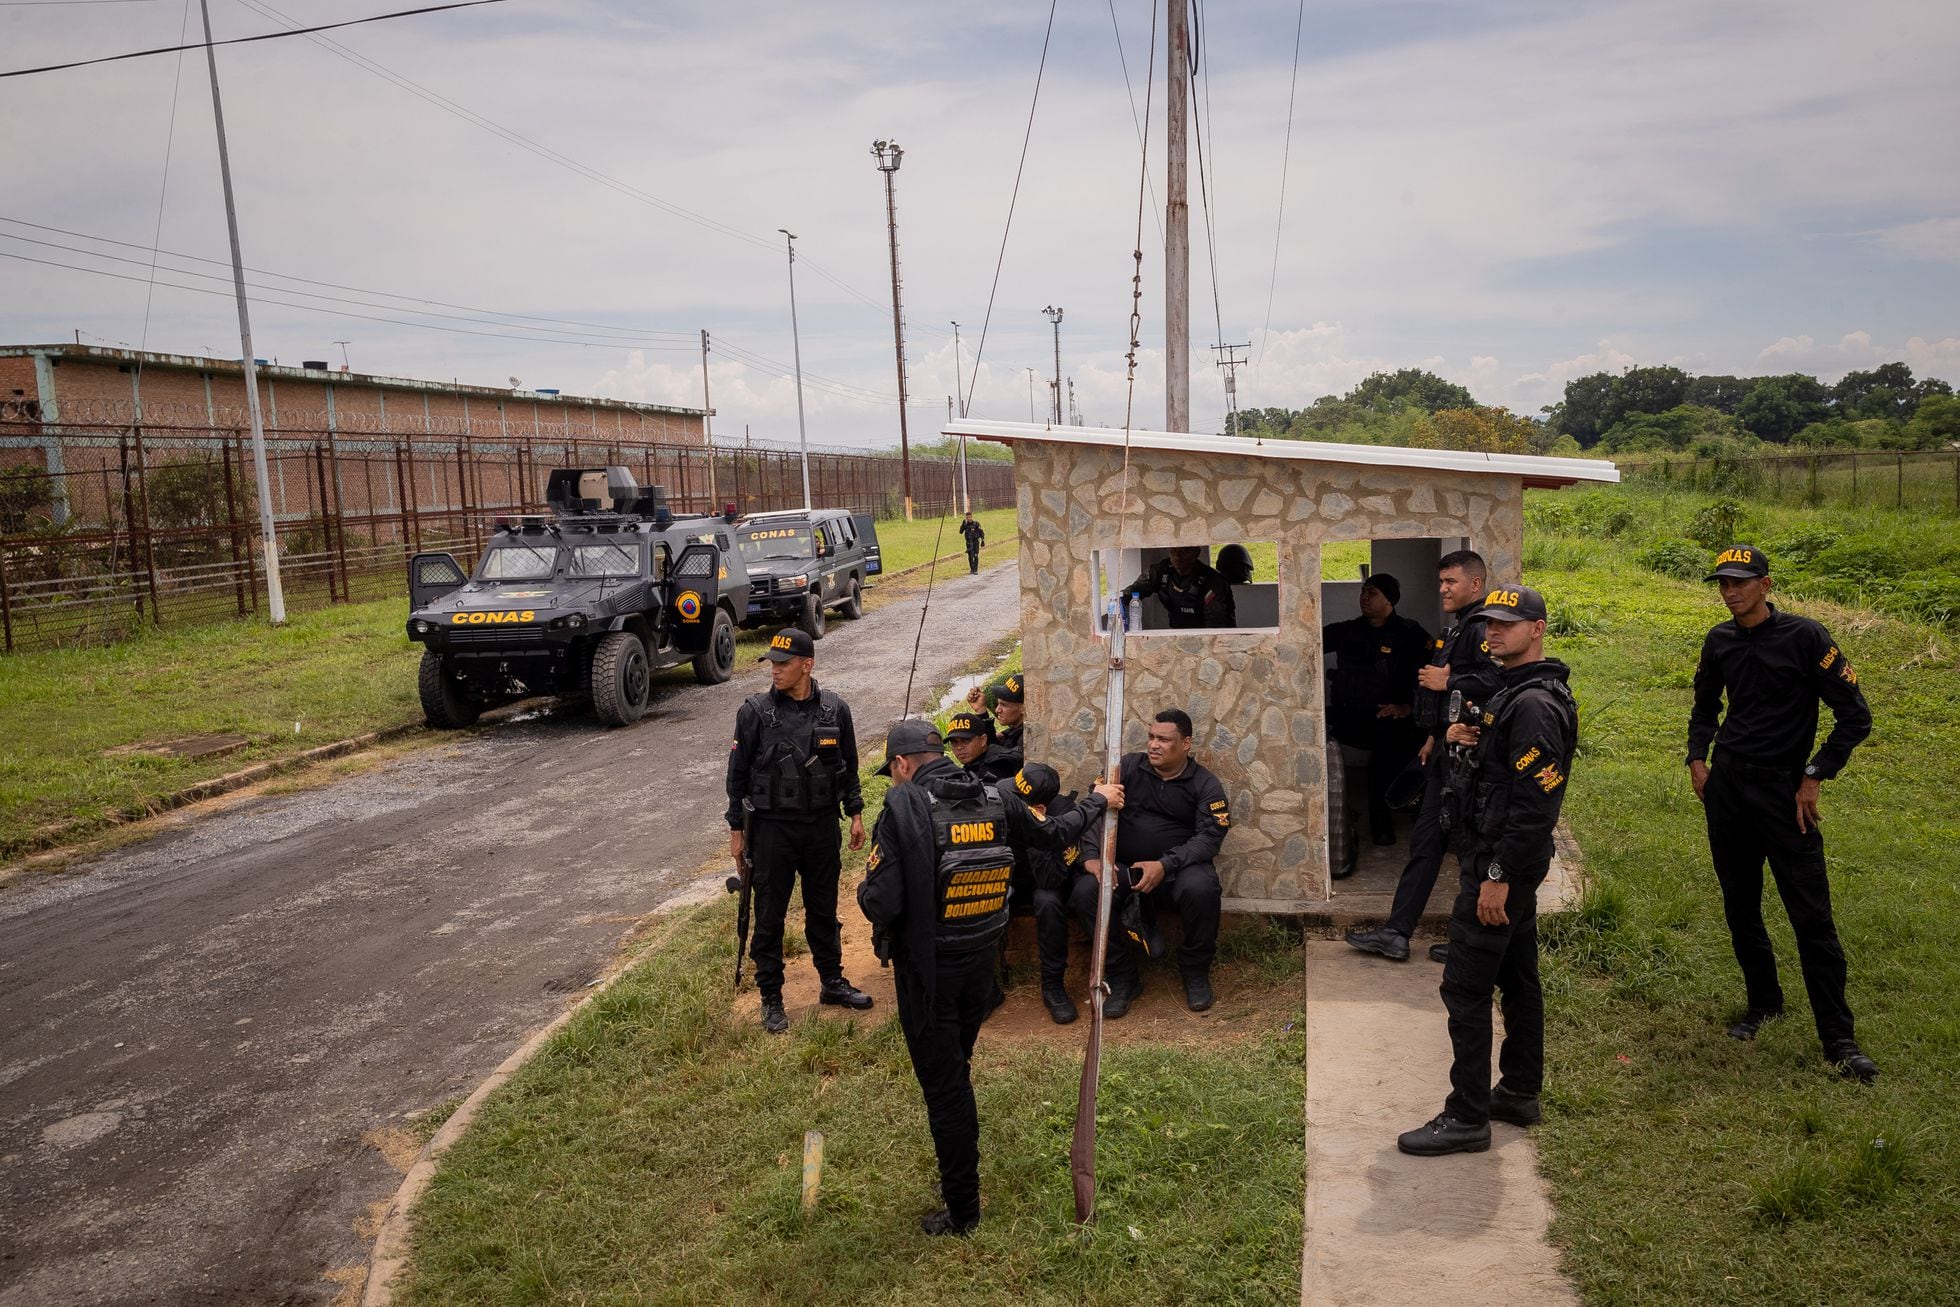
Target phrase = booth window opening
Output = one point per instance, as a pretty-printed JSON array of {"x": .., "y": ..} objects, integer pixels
[{"x": 1177, "y": 589}]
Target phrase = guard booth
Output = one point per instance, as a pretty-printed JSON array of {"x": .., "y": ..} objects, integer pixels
[{"x": 1255, "y": 691}]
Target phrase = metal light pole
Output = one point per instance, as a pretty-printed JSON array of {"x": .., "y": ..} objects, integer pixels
[
  {"x": 889, "y": 155},
  {"x": 708, "y": 424},
  {"x": 1030, "y": 373},
  {"x": 1054, "y": 315},
  {"x": 796, "y": 344},
  {"x": 1177, "y": 228},
  {"x": 966, "y": 500},
  {"x": 959, "y": 386},
  {"x": 275, "y": 594}
]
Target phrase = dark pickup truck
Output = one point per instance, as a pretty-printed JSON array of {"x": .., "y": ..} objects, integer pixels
[{"x": 802, "y": 563}]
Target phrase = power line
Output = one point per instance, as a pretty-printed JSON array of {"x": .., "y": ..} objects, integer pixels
[
  {"x": 1279, "y": 222},
  {"x": 1130, "y": 93},
  {"x": 1202, "y": 123},
  {"x": 246, "y": 40}
]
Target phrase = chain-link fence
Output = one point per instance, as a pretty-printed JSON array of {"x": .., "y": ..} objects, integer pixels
[
  {"x": 1921, "y": 480},
  {"x": 105, "y": 530}
]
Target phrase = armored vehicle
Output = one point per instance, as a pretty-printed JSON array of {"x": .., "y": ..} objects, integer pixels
[
  {"x": 802, "y": 563},
  {"x": 586, "y": 602}
]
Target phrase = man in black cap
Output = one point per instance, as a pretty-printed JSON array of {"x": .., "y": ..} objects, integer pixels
[
  {"x": 1193, "y": 594},
  {"x": 971, "y": 735},
  {"x": 935, "y": 892},
  {"x": 1175, "y": 819},
  {"x": 1010, "y": 712},
  {"x": 1459, "y": 662},
  {"x": 1761, "y": 794},
  {"x": 1377, "y": 657},
  {"x": 976, "y": 539},
  {"x": 1051, "y": 877},
  {"x": 1522, "y": 758},
  {"x": 792, "y": 766}
]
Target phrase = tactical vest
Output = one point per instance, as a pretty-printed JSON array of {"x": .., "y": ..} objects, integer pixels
[
  {"x": 798, "y": 759},
  {"x": 975, "y": 866},
  {"x": 1430, "y": 706},
  {"x": 1491, "y": 795}
]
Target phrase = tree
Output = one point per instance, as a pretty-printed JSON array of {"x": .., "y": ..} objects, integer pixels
[
  {"x": 1885, "y": 391},
  {"x": 1776, "y": 408},
  {"x": 1649, "y": 390},
  {"x": 1722, "y": 393},
  {"x": 1387, "y": 392},
  {"x": 1583, "y": 415},
  {"x": 1482, "y": 430},
  {"x": 1936, "y": 425}
]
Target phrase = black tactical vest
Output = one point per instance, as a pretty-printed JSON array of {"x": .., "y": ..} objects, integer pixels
[
  {"x": 1430, "y": 709},
  {"x": 975, "y": 865},
  {"x": 1491, "y": 797},
  {"x": 795, "y": 773}
]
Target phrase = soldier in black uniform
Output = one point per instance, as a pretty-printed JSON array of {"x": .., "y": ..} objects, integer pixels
[
  {"x": 935, "y": 892},
  {"x": 971, "y": 735},
  {"x": 1458, "y": 661},
  {"x": 1049, "y": 877},
  {"x": 1193, "y": 594},
  {"x": 1010, "y": 710},
  {"x": 794, "y": 762},
  {"x": 1761, "y": 794},
  {"x": 1508, "y": 801},
  {"x": 1175, "y": 818},
  {"x": 1378, "y": 656},
  {"x": 976, "y": 537}
]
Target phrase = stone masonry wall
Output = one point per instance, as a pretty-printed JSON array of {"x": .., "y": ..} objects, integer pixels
[{"x": 1255, "y": 698}]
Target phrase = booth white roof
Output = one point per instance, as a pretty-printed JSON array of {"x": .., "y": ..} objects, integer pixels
[{"x": 1536, "y": 470}]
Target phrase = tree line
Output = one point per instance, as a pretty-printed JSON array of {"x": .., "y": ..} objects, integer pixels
[{"x": 1660, "y": 409}]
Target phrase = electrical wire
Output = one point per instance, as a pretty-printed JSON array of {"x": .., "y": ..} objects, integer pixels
[
  {"x": 1279, "y": 222},
  {"x": 163, "y": 193},
  {"x": 1012, "y": 200},
  {"x": 246, "y": 40},
  {"x": 1129, "y": 93},
  {"x": 1202, "y": 125}
]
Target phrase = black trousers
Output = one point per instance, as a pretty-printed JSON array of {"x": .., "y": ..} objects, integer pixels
[
  {"x": 1052, "y": 908},
  {"x": 972, "y": 557},
  {"x": 1193, "y": 892},
  {"x": 939, "y": 1034},
  {"x": 783, "y": 850},
  {"x": 1426, "y": 849},
  {"x": 1485, "y": 960},
  {"x": 1752, "y": 816}
]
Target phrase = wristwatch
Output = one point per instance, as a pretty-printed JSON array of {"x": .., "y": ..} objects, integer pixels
[
  {"x": 1810, "y": 770},
  {"x": 1495, "y": 871}
]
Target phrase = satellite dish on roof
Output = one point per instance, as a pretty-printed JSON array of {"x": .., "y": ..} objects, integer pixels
[{"x": 515, "y": 383}]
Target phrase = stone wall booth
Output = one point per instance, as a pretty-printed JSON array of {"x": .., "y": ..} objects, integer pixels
[{"x": 1255, "y": 691}]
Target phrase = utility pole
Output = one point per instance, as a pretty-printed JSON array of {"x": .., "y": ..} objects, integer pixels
[
  {"x": 1030, "y": 372},
  {"x": 275, "y": 593},
  {"x": 889, "y": 155},
  {"x": 966, "y": 502},
  {"x": 959, "y": 386},
  {"x": 708, "y": 424},
  {"x": 796, "y": 343},
  {"x": 1054, "y": 315},
  {"x": 1074, "y": 413},
  {"x": 345, "y": 366},
  {"x": 1230, "y": 361},
  {"x": 1177, "y": 228}
]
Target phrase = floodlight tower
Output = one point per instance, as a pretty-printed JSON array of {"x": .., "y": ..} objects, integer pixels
[{"x": 889, "y": 156}]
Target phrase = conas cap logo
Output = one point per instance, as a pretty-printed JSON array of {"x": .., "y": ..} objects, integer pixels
[{"x": 779, "y": 642}]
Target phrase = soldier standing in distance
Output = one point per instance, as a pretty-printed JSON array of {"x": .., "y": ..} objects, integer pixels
[
  {"x": 1380, "y": 654},
  {"x": 976, "y": 537},
  {"x": 795, "y": 762},
  {"x": 935, "y": 892},
  {"x": 1761, "y": 794},
  {"x": 1458, "y": 661},
  {"x": 1523, "y": 758}
]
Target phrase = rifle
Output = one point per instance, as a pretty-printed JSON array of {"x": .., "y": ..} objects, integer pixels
[
  {"x": 743, "y": 883},
  {"x": 1082, "y": 1150},
  {"x": 1459, "y": 783}
]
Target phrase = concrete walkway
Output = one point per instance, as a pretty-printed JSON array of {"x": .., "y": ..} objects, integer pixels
[{"x": 1382, "y": 1227}]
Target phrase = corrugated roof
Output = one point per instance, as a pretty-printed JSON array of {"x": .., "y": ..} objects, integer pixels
[{"x": 1537, "y": 470}]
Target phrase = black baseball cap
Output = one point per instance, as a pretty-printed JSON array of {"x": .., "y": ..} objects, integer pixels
[
  {"x": 910, "y": 735},
  {"x": 1009, "y": 690},
  {"x": 965, "y": 724},
  {"x": 1513, "y": 603},
  {"x": 1037, "y": 782},
  {"x": 788, "y": 643},
  {"x": 1744, "y": 562}
]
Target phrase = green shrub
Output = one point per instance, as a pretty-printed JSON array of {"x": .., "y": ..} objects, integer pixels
[
  {"x": 1802, "y": 545},
  {"x": 1718, "y": 524},
  {"x": 1683, "y": 559}
]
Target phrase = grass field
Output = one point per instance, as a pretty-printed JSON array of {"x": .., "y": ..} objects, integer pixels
[
  {"x": 1686, "y": 1167},
  {"x": 652, "y": 1155},
  {"x": 335, "y": 672}
]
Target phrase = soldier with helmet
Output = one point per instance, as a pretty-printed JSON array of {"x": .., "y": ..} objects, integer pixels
[
  {"x": 792, "y": 768},
  {"x": 935, "y": 891}
]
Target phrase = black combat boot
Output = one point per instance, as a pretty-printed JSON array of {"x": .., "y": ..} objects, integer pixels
[
  {"x": 1445, "y": 1134},
  {"x": 1061, "y": 1008},
  {"x": 1384, "y": 941},
  {"x": 1750, "y": 1022},
  {"x": 774, "y": 1019},
  {"x": 842, "y": 993},
  {"x": 1197, "y": 991},
  {"x": 1851, "y": 1062},
  {"x": 944, "y": 1222},
  {"x": 1515, "y": 1109},
  {"x": 1123, "y": 991}
]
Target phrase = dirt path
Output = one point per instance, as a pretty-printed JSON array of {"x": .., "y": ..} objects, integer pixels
[{"x": 210, "y": 1043}]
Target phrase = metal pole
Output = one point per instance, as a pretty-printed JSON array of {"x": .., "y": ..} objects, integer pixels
[
  {"x": 269, "y": 537},
  {"x": 959, "y": 386},
  {"x": 1177, "y": 230},
  {"x": 708, "y": 423},
  {"x": 888, "y": 155},
  {"x": 1030, "y": 372},
  {"x": 1054, "y": 315},
  {"x": 796, "y": 344}
]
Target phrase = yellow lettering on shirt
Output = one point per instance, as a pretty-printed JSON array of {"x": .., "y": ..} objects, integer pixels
[
  {"x": 1830, "y": 656},
  {"x": 1529, "y": 756},
  {"x": 973, "y": 832}
]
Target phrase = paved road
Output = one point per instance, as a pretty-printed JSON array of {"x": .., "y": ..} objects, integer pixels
[{"x": 198, "y": 1035}]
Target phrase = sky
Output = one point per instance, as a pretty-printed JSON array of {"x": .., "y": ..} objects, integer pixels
[{"x": 1509, "y": 193}]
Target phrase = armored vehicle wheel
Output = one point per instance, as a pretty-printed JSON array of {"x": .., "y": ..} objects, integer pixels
[
  {"x": 620, "y": 679},
  {"x": 853, "y": 608},
  {"x": 444, "y": 705},
  {"x": 718, "y": 663},
  {"x": 811, "y": 621}
]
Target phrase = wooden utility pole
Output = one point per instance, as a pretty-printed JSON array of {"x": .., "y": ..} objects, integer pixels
[
  {"x": 1177, "y": 228},
  {"x": 889, "y": 154}
]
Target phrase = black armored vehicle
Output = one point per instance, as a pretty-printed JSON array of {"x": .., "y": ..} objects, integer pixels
[
  {"x": 802, "y": 563},
  {"x": 585, "y": 602}
]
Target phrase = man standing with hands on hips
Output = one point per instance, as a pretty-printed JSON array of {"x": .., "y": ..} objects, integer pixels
[
  {"x": 1761, "y": 793},
  {"x": 1510, "y": 801},
  {"x": 792, "y": 767}
]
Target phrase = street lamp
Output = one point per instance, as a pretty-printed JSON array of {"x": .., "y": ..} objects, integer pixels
[
  {"x": 889, "y": 156},
  {"x": 796, "y": 344}
]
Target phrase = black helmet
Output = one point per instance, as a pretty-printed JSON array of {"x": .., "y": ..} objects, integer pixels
[{"x": 1234, "y": 563}]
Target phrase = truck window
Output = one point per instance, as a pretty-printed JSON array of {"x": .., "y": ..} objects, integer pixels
[
  {"x": 518, "y": 563},
  {"x": 763, "y": 543},
  {"x": 618, "y": 559}
]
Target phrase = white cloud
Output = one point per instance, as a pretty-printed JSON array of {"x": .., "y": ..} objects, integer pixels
[{"x": 1936, "y": 239}]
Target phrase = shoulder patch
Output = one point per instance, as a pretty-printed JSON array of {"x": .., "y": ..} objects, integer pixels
[
  {"x": 1528, "y": 757},
  {"x": 1549, "y": 777},
  {"x": 871, "y": 863}
]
